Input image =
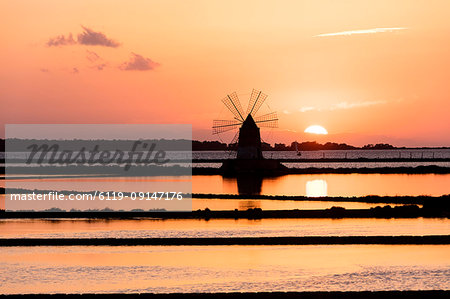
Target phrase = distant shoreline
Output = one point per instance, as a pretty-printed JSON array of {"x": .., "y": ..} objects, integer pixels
[
  {"x": 385, "y": 199},
  {"x": 228, "y": 241},
  {"x": 431, "y": 169},
  {"x": 198, "y": 145},
  {"x": 435, "y": 294},
  {"x": 438, "y": 209},
  {"x": 139, "y": 171}
]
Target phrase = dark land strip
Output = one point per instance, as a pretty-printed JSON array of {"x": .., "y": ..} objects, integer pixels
[
  {"x": 296, "y": 160},
  {"x": 152, "y": 170},
  {"x": 314, "y": 240},
  {"x": 430, "y": 169},
  {"x": 438, "y": 201},
  {"x": 334, "y": 160},
  {"x": 436, "y": 294},
  {"x": 408, "y": 211}
]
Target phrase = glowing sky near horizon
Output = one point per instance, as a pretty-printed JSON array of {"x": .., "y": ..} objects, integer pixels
[{"x": 368, "y": 71}]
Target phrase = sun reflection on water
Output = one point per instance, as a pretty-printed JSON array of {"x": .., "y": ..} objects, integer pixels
[{"x": 316, "y": 188}]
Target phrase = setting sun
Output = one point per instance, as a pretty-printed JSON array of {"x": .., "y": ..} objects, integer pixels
[{"x": 316, "y": 129}]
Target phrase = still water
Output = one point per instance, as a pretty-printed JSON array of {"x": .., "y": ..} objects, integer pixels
[
  {"x": 163, "y": 269},
  {"x": 193, "y": 228},
  {"x": 334, "y": 154},
  {"x": 311, "y": 185},
  {"x": 316, "y": 185},
  {"x": 216, "y": 204}
]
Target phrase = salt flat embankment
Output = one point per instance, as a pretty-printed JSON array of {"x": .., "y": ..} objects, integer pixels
[
  {"x": 435, "y": 294},
  {"x": 226, "y": 241}
]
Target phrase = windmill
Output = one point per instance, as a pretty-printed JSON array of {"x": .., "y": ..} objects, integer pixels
[{"x": 249, "y": 137}]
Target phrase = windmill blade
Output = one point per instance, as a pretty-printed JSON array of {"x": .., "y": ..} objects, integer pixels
[
  {"x": 256, "y": 100},
  {"x": 235, "y": 138},
  {"x": 269, "y": 120},
  {"x": 266, "y": 117},
  {"x": 234, "y": 105},
  {"x": 220, "y": 126},
  {"x": 273, "y": 123},
  {"x": 232, "y": 145}
]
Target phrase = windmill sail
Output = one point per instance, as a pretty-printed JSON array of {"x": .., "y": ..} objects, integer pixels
[
  {"x": 235, "y": 138},
  {"x": 269, "y": 120},
  {"x": 220, "y": 126},
  {"x": 234, "y": 105},
  {"x": 256, "y": 100}
]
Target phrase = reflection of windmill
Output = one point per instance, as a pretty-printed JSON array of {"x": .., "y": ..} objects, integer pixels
[{"x": 249, "y": 138}]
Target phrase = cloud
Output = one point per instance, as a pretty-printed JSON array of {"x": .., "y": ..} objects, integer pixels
[
  {"x": 92, "y": 56},
  {"x": 96, "y": 62},
  {"x": 101, "y": 66},
  {"x": 346, "y": 105},
  {"x": 343, "y": 105},
  {"x": 92, "y": 38},
  {"x": 363, "y": 31},
  {"x": 44, "y": 70},
  {"x": 305, "y": 109},
  {"x": 139, "y": 63},
  {"x": 89, "y": 37},
  {"x": 61, "y": 40}
]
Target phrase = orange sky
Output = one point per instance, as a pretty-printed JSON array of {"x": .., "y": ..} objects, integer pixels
[{"x": 368, "y": 71}]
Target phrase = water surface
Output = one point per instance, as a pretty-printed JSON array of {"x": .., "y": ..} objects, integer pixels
[
  {"x": 315, "y": 185},
  {"x": 163, "y": 269},
  {"x": 192, "y": 228},
  {"x": 312, "y": 185}
]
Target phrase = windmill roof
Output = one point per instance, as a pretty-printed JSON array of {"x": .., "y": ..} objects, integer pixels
[{"x": 249, "y": 123}]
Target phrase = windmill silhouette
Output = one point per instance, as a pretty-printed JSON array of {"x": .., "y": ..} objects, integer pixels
[
  {"x": 249, "y": 137},
  {"x": 249, "y": 163}
]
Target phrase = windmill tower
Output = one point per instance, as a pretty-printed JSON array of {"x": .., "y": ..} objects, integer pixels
[
  {"x": 249, "y": 152},
  {"x": 248, "y": 137}
]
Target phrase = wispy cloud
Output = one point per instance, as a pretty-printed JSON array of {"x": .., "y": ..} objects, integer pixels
[
  {"x": 101, "y": 66},
  {"x": 306, "y": 109},
  {"x": 362, "y": 31},
  {"x": 87, "y": 37},
  {"x": 61, "y": 40},
  {"x": 93, "y": 38},
  {"x": 346, "y": 105},
  {"x": 96, "y": 61},
  {"x": 343, "y": 105},
  {"x": 139, "y": 63},
  {"x": 92, "y": 56}
]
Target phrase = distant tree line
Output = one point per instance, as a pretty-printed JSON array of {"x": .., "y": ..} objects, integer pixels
[
  {"x": 301, "y": 146},
  {"x": 378, "y": 146}
]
